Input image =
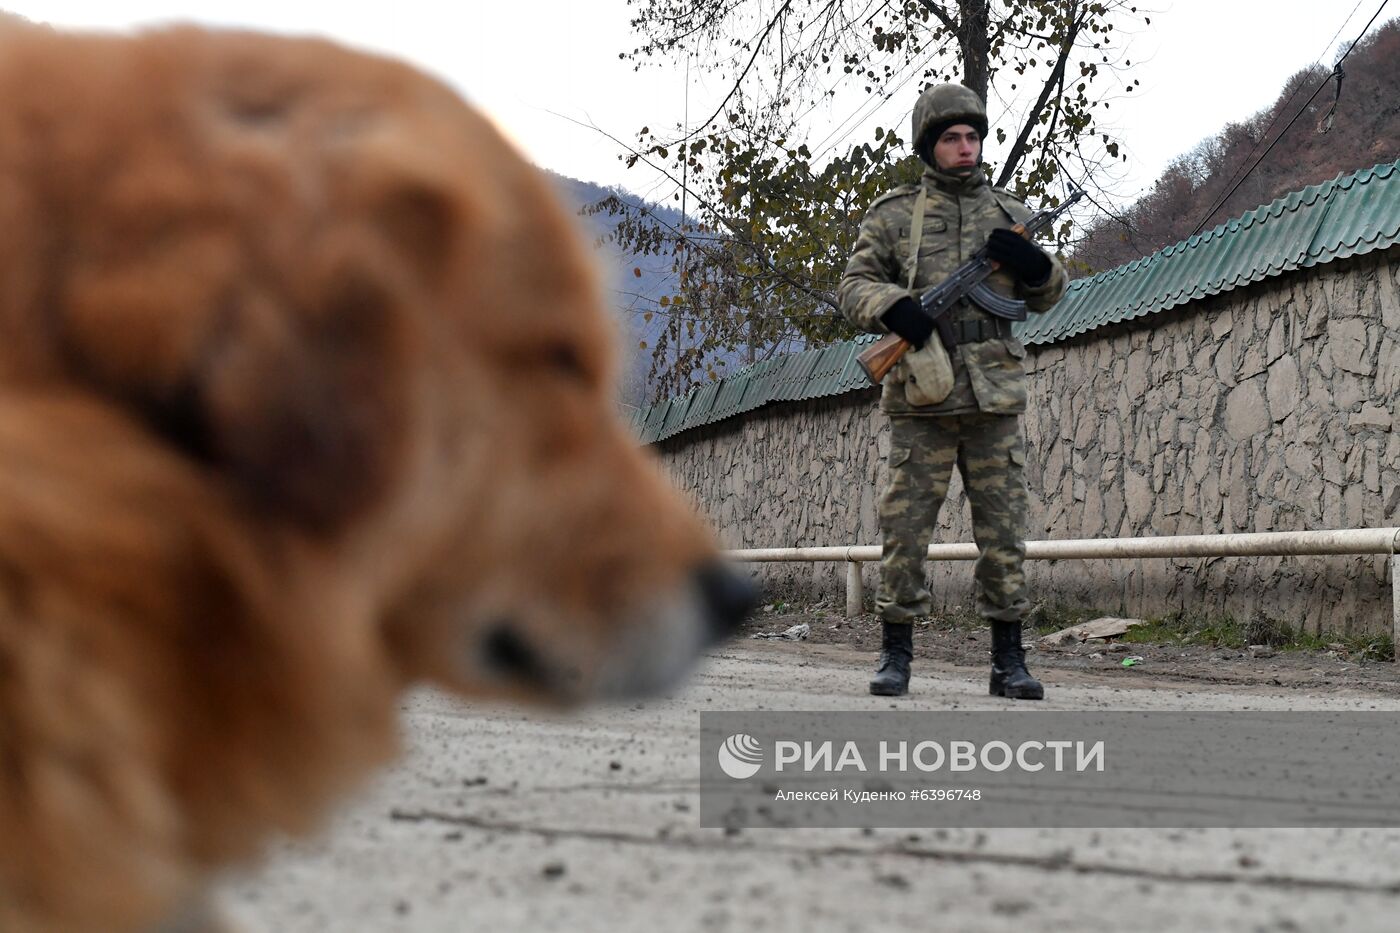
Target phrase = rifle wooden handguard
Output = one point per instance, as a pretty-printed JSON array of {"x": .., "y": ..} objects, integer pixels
[{"x": 879, "y": 358}]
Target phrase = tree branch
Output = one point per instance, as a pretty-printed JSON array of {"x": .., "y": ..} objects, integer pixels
[
  {"x": 942, "y": 15},
  {"x": 734, "y": 89},
  {"x": 1018, "y": 149}
]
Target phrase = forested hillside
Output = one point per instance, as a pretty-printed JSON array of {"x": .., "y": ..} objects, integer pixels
[
  {"x": 630, "y": 294},
  {"x": 1363, "y": 130}
]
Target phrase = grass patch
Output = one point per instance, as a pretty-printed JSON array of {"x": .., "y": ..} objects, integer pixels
[
  {"x": 1179, "y": 627},
  {"x": 1226, "y": 631},
  {"x": 959, "y": 618}
]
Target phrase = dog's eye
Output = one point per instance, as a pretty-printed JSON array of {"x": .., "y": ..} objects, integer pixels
[
  {"x": 564, "y": 359},
  {"x": 557, "y": 358}
]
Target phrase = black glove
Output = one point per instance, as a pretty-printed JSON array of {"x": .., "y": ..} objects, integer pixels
[
  {"x": 1026, "y": 259},
  {"x": 909, "y": 321}
]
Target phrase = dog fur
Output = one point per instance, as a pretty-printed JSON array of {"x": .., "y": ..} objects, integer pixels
[{"x": 305, "y": 396}]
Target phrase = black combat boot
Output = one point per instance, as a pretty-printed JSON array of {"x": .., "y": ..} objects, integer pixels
[
  {"x": 896, "y": 652},
  {"x": 1010, "y": 678}
]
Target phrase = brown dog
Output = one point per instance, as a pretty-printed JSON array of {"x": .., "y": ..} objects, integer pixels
[{"x": 304, "y": 396}]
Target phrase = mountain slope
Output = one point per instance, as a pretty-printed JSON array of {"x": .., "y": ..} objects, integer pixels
[
  {"x": 635, "y": 283},
  {"x": 1363, "y": 130}
]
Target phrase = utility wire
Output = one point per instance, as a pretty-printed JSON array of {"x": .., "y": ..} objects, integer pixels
[
  {"x": 879, "y": 100},
  {"x": 1336, "y": 73},
  {"x": 1342, "y": 26},
  {"x": 1232, "y": 183},
  {"x": 1239, "y": 179}
]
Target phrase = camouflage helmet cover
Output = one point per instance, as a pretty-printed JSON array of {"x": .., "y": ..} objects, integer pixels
[{"x": 944, "y": 105}]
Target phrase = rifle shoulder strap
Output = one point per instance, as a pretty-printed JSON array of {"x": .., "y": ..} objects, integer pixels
[{"x": 916, "y": 233}]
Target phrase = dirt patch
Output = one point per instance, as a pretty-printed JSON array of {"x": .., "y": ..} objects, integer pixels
[{"x": 962, "y": 646}]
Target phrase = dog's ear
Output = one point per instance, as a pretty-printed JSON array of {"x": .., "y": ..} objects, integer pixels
[
  {"x": 305, "y": 412},
  {"x": 417, "y": 221},
  {"x": 288, "y": 375}
]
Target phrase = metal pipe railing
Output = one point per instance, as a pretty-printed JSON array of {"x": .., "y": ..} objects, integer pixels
[{"x": 1353, "y": 541}]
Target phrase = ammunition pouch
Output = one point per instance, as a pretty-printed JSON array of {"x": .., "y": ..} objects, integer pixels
[
  {"x": 928, "y": 374},
  {"x": 980, "y": 329}
]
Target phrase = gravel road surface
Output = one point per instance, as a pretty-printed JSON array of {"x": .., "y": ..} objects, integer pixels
[{"x": 498, "y": 819}]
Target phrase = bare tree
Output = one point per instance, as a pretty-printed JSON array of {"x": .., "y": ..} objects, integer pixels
[{"x": 778, "y": 209}]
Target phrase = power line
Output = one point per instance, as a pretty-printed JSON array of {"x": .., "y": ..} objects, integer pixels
[
  {"x": 1231, "y": 183},
  {"x": 880, "y": 101},
  {"x": 1363, "y": 31},
  {"x": 1336, "y": 73},
  {"x": 1342, "y": 26}
]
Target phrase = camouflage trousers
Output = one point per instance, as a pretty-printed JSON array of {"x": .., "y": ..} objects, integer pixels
[{"x": 990, "y": 455}]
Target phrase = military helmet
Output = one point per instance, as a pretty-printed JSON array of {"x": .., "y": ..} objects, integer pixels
[{"x": 941, "y": 106}]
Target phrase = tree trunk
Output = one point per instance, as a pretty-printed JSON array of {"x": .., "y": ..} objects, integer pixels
[{"x": 974, "y": 37}]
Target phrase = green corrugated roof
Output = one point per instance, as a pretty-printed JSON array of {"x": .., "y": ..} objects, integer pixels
[
  {"x": 1346, "y": 216},
  {"x": 1343, "y": 217}
]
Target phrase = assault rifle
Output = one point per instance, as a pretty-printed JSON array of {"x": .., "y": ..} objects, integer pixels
[{"x": 967, "y": 281}]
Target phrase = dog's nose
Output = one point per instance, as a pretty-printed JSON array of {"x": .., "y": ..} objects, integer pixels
[
  {"x": 505, "y": 652},
  {"x": 728, "y": 597}
]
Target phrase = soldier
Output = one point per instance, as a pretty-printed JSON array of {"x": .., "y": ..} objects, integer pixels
[{"x": 961, "y": 407}]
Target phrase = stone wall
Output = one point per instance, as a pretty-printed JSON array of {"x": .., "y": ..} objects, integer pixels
[{"x": 1269, "y": 408}]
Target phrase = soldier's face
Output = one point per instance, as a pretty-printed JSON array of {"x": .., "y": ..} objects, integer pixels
[{"x": 959, "y": 147}]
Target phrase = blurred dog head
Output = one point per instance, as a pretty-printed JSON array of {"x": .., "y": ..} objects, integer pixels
[
  {"x": 343, "y": 299},
  {"x": 305, "y": 394}
]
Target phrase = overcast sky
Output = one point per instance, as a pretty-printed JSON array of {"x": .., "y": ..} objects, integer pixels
[{"x": 542, "y": 67}]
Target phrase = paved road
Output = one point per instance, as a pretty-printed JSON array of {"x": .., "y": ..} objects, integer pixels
[{"x": 500, "y": 820}]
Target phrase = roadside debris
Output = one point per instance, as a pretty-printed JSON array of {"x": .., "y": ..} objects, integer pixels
[
  {"x": 1131, "y": 660},
  {"x": 798, "y": 632},
  {"x": 1093, "y": 630}
]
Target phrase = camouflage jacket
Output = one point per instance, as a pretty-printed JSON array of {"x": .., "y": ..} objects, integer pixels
[{"x": 959, "y": 215}]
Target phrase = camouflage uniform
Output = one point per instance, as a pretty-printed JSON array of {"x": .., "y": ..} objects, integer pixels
[{"x": 977, "y": 425}]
